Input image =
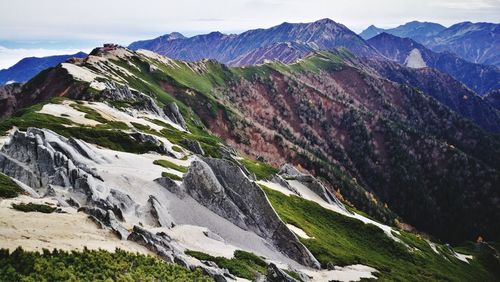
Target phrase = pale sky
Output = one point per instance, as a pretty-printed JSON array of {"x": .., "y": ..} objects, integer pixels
[{"x": 55, "y": 26}]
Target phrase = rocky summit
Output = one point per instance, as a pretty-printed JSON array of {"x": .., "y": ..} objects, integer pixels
[{"x": 300, "y": 152}]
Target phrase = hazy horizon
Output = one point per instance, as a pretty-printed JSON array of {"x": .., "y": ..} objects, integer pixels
[{"x": 62, "y": 27}]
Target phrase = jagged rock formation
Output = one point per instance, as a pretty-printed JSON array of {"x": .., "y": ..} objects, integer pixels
[
  {"x": 274, "y": 274},
  {"x": 146, "y": 138},
  {"x": 172, "y": 112},
  {"x": 55, "y": 166},
  {"x": 193, "y": 146},
  {"x": 223, "y": 188},
  {"x": 136, "y": 100},
  {"x": 289, "y": 172}
]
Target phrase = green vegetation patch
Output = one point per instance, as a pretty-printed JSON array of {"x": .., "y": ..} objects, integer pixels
[
  {"x": 171, "y": 176},
  {"x": 243, "y": 264},
  {"x": 140, "y": 126},
  {"x": 261, "y": 170},
  {"x": 30, "y": 207},
  {"x": 89, "y": 112},
  {"x": 177, "y": 149},
  {"x": 340, "y": 240},
  {"x": 169, "y": 164},
  {"x": 90, "y": 265},
  {"x": 8, "y": 188}
]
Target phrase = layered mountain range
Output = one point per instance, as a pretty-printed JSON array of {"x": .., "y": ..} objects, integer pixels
[
  {"x": 314, "y": 156},
  {"x": 479, "y": 78},
  {"x": 474, "y": 42},
  {"x": 231, "y": 49}
]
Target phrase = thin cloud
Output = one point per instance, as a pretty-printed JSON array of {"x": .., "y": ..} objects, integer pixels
[{"x": 468, "y": 5}]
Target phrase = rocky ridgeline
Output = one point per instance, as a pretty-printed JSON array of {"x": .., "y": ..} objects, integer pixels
[
  {"x": 139, "y": 101},
  {"x": 57, "y": 167},
  {"x": 289, "y": 172}
]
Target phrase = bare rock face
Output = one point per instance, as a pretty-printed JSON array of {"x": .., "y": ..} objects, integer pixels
[
  {"x": 146, "y": 138},
  {"x": 162, "y": 245},
  {"x": 274, "y": 274},
  {"x": 45, "y": 160},
  {"x": 173, "y": 113},
  {"x": 221, "y": 186},
  {"x": 123, "y": 93},
  {"x": 290, "y": 172},
  {"x": 193, "y": 146}
]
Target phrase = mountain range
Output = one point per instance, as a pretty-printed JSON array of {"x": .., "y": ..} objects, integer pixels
[
  {"x": 418, "y": 31},
  {"x": 323, "y": 34},
  {"x": 479, "y": 78},
  {"x": 27, "y": 68},
  {"x": 475, "y": 42},
  {"x": 301, "y": 152}
]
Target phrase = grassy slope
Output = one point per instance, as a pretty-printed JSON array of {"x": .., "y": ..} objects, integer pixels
[
  {"x": 8, "y": 188},
  {"x": 339, "y": 240},
  {"x": 243, "y": 264},
  {"x": 31, "y": 207},
  {"x": 90, "y": 266},
  {"x": 169, "y": 164}
]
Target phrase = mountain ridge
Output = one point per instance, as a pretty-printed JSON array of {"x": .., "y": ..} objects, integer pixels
[
  {"x": 480, "y": 78},
  {"x": 324, "y": 34},
  {"x": 475, "y": 42},
  {"x": 28, "y": 67}
]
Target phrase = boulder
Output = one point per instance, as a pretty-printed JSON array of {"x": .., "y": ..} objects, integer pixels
[
  {"x": 274, "y": 274},
  {"x": 288, "y": 171},
  {"x": 173, "y": 113},
  {"x": 151, "y": 139},
  {"x": 193, "y": 146},
  {"x": 221, "y": 186}
]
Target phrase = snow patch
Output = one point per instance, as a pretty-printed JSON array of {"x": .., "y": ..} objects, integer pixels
[
  {"x": 462, "y": 257},
  {"x": 65, "y": 110},
  {"x": 157, "y": 57},
  {"x": 299, "y": 232},
  {"x": 415, "y": 60},
  {"x": 307, "y": 194},
  {"x": 347, "y": 273},
  {"x": 80, "y": 73},
  {"x": 197, "y": 238}
]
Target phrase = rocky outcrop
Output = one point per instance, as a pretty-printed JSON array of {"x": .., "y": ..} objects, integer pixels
[
  {"x": 137, "y": 100},
  {"x": 159, "y": 243},
  {"x": 290, "y": 172},
  {"x": 274, "y": 274},
  {"x": 162, "y": 245},
  {"x": 193, "y": 146},
  {"x": 278, "y": 179},
  {"x": 106, "y": 218},
  {"x": 54, "y": 165},
  {"x": 221, "y": 186},
  {"x": 173, "y": 113},
  {"x": 146, "y": 138}
]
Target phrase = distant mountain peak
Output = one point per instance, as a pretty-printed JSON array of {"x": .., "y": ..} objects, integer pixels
[
  {"x": 416, "y": 30},
  {"x": 256, "y": 45},
  {"x": 325, "y": 21}
]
